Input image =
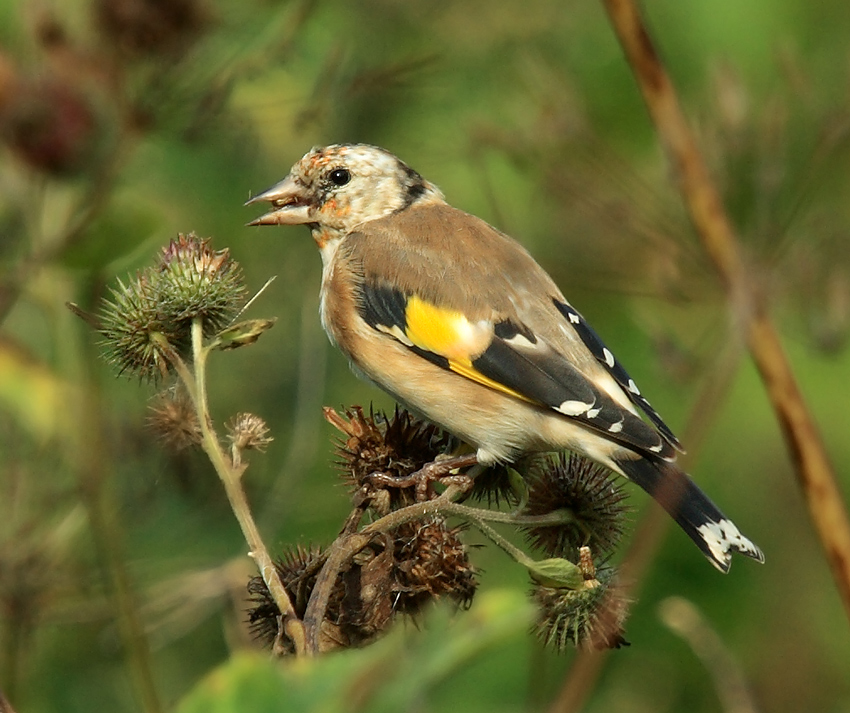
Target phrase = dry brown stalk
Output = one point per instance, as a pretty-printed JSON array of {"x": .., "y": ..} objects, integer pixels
[{"x": 814, "y": 470}]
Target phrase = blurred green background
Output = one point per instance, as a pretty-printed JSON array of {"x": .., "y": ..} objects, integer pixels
[{"x": 124, "y": 122}]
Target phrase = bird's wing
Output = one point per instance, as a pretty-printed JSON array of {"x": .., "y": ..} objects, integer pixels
[
  {"x": 605, "y": 357},
  {"x": 461, "y": 294},
  {"x": 507, "y": 356}
]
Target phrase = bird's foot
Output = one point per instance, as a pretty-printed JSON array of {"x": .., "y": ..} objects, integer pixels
[{"x": 443, "y": 470}]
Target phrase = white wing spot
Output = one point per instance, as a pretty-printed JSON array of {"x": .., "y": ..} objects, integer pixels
[
  {"x": 573, "y": 408},
  {"x": 616, "y": 427},
  {"x": 396, "y": 332},
  {"x": 658, "y": 448},
  {"x": 518, "y": 340},
  {"x": 633, "y": 387},
  {"x": 594, "y": 412},
  {"x": 609, "y": 357},
  {"x": 574, "y": 318}
]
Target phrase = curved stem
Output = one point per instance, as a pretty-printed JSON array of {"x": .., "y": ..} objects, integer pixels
[
  {"x": 231, "y": 478},
  {"x": 504, "y": 544},
  {"x": 444, "y": 505}
]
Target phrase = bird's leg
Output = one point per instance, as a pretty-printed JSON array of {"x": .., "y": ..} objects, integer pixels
[
  {"x": 438, "y": 470},
  {"x": 441, "y": 470}
]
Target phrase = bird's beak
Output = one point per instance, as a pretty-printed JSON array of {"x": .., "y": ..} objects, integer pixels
[{"x": 290, "y": 202}]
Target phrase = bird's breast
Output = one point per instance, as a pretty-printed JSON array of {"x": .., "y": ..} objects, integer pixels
[{"x": 335, "y": 291}]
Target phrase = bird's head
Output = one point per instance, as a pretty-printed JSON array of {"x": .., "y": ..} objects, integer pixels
[{"x": 336, "y": 188}]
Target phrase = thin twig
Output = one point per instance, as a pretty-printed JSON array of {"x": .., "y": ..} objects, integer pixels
[
  {"x": 251, "y": 301},
  {"x": 445, "y": 506},
  {"x": 231, "y": 478},
  {"x": 815, "y": 473},
  {"x": 340, "y": 552}
]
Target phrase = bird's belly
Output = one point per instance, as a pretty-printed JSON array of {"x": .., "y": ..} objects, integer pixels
[{"x": 502, "y": 428}]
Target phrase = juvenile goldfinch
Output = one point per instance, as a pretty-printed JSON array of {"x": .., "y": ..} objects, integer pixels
[{"x": 457, "y": 321}]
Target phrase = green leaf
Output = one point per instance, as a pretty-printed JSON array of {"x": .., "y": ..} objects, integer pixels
[
  {"x": 557, "y": 573},
  {"x": 242, "y": 333}
]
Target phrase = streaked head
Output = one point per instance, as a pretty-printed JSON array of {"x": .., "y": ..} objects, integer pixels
[{"x": 338, "y": 187}]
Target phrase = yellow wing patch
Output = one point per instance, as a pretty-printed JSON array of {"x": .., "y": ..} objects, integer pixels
[
  {"x": 451, "y": 335},
  {"x": 445, "y": 332}
]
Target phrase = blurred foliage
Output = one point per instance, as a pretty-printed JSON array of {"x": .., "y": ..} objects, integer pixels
[
  {"x": 392, "y": 675},
  {"x": 124, "y": 122}
]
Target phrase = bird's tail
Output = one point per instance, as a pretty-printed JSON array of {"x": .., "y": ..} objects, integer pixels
[{"x": 700, "y": 518}]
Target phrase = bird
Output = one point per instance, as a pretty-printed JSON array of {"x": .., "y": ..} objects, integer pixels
[{"x": 457, "y": 321}]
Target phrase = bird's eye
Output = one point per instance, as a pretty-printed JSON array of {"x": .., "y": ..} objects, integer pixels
[{"x": 339, "y": 176}]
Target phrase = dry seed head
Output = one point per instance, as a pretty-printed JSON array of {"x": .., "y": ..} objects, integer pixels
[
  {"x": 248, "y": 431},
  {"x": 360, "y": 606},
  {"x": 497, "y": 484},
  {"x": 174, "y": 420},
  {"x": 395, "y": 447},
  {"x": 297, "y": 569},
  {"x": 432, "y": 563},
  {"x": 399, "y": 573}
]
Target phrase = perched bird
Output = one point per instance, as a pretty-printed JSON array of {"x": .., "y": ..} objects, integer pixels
[{"x": 456, "y": 320}]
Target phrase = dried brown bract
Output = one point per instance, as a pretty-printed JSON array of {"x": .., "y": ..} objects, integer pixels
[
  {"x": 431, "y": 563},
  {"x": 393, "y": 447}
]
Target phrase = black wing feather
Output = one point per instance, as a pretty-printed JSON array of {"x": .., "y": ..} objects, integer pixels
[
  {"x": 382, "y": 306},
  {"x": 605, "y": 357},
  {"x": 542, "y": 375}
]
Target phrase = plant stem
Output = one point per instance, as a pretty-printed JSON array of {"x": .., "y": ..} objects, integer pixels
[
  {"x": 501, "y": 542},
  {"x": 444, "y": 506},
  {"x": 683, "y": 618},
  {"x": 342, "y": 549},
  {"x": 231, "y": 478},
  {"x": 815, "y": 473}
]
